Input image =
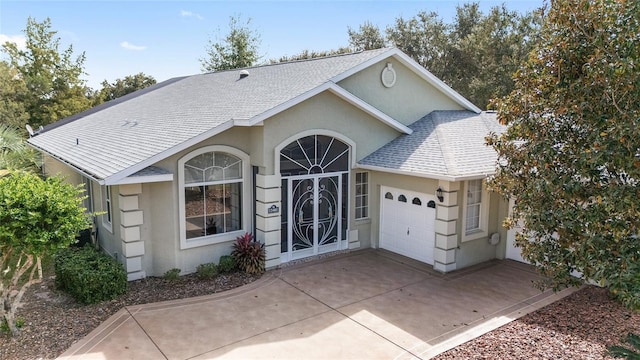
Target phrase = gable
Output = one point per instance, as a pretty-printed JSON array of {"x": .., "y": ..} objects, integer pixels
[
  {"x": 409, "y": 99},
  {"x": 327, "y": 112}
]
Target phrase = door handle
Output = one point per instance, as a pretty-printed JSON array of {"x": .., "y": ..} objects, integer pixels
[{"x": 407, "y": 231}]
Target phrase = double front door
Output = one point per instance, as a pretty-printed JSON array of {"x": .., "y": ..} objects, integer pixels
[
  {"x": 314, "y": 222},
  {"x": 315, "y": 175}
]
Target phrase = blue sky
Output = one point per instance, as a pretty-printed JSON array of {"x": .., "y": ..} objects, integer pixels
[{"x": 166, "y": 38}]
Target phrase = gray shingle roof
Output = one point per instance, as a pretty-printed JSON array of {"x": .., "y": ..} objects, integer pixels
[
  {"x": 120, "y": 134},
  {"x": 444, "y": 144}
]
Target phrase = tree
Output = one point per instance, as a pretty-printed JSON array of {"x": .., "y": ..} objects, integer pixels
[
  {"x": 238, "y": 49},
  {"x": 488, "y": 49},
  {"x": 476, "y": 54},
  {"x": 311, "y": 54},
  {"x": 37, "y": 217},
  {"x": 12, "y": 90},
  {"x": 52, "y": 78},
  {"x": 424, "y": 38},
  {"x": 570, "y": 155},
  {"x": 122, "y": 87},
  {"x": 367, "y": 37}
]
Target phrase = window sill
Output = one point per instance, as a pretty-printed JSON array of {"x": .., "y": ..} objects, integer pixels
[
  {"x": 210, "y": 240},
  {"x": 107, "y": 226},
  {"x": 363, "y": 221},
  {"x": 474, "y": 235}
]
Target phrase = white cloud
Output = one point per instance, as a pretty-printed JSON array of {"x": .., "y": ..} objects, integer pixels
[
  {"x": 20, "y": 40},
  {"x": 185, "y": 13},
  {"x": 129, "y": 46}
]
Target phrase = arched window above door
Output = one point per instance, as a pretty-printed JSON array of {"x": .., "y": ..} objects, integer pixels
[{"x": 314, "y": 154}]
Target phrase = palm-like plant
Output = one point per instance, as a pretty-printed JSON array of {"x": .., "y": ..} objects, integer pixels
[
  {"x": 623, "y": 352},
  {"x": 14, "y": 153}
]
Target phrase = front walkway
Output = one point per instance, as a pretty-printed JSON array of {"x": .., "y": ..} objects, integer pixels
[{"x": 361, "y": 305}]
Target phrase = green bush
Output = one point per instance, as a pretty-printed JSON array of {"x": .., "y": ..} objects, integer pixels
[
  {"x": 249, "y": 254},
  {"x": 88, "y": 275},
  {"x": 172, "y": 274},
  {"x": 227, "y": 264},
  {"x": 206, "y": 271}
]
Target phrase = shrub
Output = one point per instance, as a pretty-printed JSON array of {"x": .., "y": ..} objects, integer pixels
[
  {"x": 249, "y": 254},
  {"x": 227, "y": 264},
  {"x": 88, "y": 275},
  {"x": 206, "y": 271},
  {"x": 172, "y": 274}
]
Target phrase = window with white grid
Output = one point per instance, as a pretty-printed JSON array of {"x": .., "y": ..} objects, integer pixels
[
  {"x": 474, "y": 201},
  {"x": 362, "y": 195}
]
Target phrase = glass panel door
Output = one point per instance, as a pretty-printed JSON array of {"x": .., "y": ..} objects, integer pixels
[
  {"x": 316, "y": 215},
  {"x": 302, "y": 216},
  {"x": 329, "y": 210}
]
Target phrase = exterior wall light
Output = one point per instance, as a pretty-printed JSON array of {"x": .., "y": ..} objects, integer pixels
[{"x": 439, "y": 194}]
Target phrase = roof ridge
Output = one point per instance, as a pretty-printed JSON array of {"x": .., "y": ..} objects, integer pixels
[
  {"x": 297, "y": 61},
  {"x": 438, "y": 132}
]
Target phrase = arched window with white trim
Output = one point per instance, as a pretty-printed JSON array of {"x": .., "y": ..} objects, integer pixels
[{"x": 213, "y": 192}]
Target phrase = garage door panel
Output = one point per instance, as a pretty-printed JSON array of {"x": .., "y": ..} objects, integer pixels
[{"x": 407, "y": 228}]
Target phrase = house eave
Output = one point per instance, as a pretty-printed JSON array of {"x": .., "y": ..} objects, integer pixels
[
  {"x": 73, "y": 167},
  {"x": 443, "y": 177},
  {"x": 119, "y": 176},
  {"x": 143, "y": 179}
]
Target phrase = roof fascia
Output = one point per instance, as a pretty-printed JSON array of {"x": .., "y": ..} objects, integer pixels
[
  {"x": 285, "y": 105},
  {"x": 117, "y": 177},
  {"x": 423, "y": 175},
  {"x": 70, "y": 165},
  {"x": 145, "y": 179},
  {"x": 415, "y": 67},
  {"x": 366, "y": 107},
  {"x": 374, "y": 60},
  {"x": 336, "y": 90}
]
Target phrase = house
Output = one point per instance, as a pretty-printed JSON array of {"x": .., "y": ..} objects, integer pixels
[{"x": 363, "y": 150}]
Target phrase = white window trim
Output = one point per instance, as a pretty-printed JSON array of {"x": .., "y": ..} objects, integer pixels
[
  {"x": 367, "y": 195},
  {"x": 483, "y": 230},
  {"x": 107, "y": 204},
  {"x": 247, "y": 209}
]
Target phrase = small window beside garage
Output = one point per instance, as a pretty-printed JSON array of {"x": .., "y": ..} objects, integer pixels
[
  {"x": 474, "y": 199},
  {"x": 388, "y": 195},
  {"x": 362, "y": 195},
  {"x": 475, "y": 212},
  {"x": 416, "y": 201},
  {"x": 402, "y": 198}
]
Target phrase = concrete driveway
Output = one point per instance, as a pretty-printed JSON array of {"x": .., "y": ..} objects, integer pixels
[{"x": 361, "y": 305}]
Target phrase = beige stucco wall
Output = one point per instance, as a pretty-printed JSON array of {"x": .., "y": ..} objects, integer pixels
[
  {"x": 53, "y": 167},
  {"x": 161, "y": 230},
  {"x": 325, "y": 111},
  {"x": 408, "y": 100},
  {"x": 479, "y": 250}
]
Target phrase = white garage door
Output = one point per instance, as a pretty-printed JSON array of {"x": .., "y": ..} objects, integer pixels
[{"x": 407, "y": 223}]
